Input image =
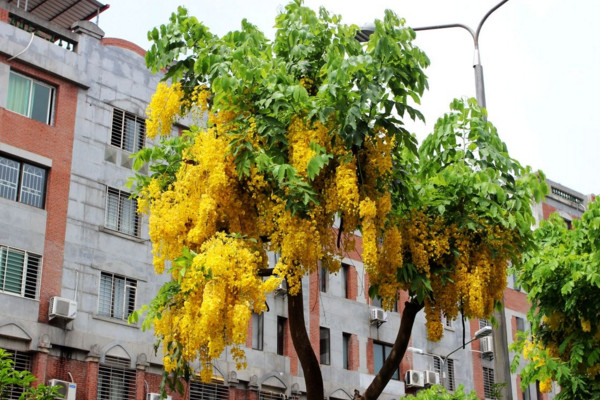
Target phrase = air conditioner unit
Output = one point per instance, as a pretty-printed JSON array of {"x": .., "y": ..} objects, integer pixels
[
  {"x": 487, "y": 345},
  {"x": 432, "y": 378},
  {"x": 281, "y": 289},
  {"x": 156, "y": 396},
  {"x": 67, "y": 390},
  {"x": 378, "y": 316},
  {"x": 62, "y": 308},
  {"x": 414, "y": 378}
]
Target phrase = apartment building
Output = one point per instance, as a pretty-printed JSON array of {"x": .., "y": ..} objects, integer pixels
[{"x": 75, "y": 258}]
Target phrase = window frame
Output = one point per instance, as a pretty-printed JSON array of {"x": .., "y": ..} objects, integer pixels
[
  {"x": 281, "y": 331},
  {"x": 28, "y": 276},
  {"x": 488, "y": 382},
  {"x": 107, "y": 370},
  {"x": 30, "y": 98},
  {"x": 323, "y": 279},
  {"x": 384, "y": 347},
  {"x": 128, "y": 305},
  {"x": 19, "y": 185},
  {"x": 22, "y": 361},
  {"x": 324, "y": 346},
  {"x": 345, "y": 285},
  {"x": 449, "y": 381},
  {"x": 258, "y": 329},
  {"x": 122, "y": 197},
  {"x": 118, "y": 131},
  {"x": 346, "y": 337}
]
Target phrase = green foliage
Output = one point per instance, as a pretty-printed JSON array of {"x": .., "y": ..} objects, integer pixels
[
  {"x": 314, "y": 68},
  {"x": 440, "y": 393},
  {"x": 9, "y": 377},
  {"x": 464, "y": 170},
  {"x": 562, "y": 278}
]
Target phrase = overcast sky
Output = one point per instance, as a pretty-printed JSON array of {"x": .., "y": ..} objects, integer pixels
[{"x": 541, "y": 62}]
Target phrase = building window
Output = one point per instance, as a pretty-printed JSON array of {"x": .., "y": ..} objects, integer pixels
[
  {"x": 117, "y": 296},
  {"x": 208, "y": 391},
  {"x": 520, "y": 322},
  {"x": 128, "y": 131},
  {"x": 19, "y": 272},
  {"x": 381, "y": 351},
  {"x": 21, "y": 362},
  {"x": 345, "y": 275},
  {"x": 323, "y": 278},
  {"x": 116, "y": 381},
  {"x": 22, "y": 182},
  {"x": 121, "y": 212},
  {"x": 488, "y": 382},
  {"x": 30, "y": 98},
  {"x": 324, "y": 345},
  {"x": 281, "y": 321},
  {"x": 346, "y": 350},
  {"x": 258, "y": 322},
  {"x": 449, "y": 367},
  {"x": 483, "y": 323}
]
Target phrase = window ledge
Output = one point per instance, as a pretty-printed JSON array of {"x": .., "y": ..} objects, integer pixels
[
  {"x": 115, "y": 321},
  {"x": 121, "y": 235}
]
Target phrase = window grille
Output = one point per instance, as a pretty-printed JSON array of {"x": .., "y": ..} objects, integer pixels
[
  {"x": 116, "y": 380},
  {"x": 22, "y": 182},
  {"x": 448, "y": 379},
  {"x": 30, "y": 98},
  {"x": 488, "y": 382},
  {"x": 128, "y": 131},
  {"x": 19, "y": 272},
  {"x": 208, "y": 391},
  {"x": 266, "y": 395},
  {"x": 483, "y": 323},
  {"x": 21, "y": 362},
  {"x": 121, "y": 212},
  {"x": 116, "y": 297},
  {"x": 566, "y": 196}
]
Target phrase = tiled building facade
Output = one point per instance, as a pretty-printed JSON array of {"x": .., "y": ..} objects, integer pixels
[{"x": 71, "y": 112}]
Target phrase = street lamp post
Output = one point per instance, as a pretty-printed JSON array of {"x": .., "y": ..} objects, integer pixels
[
  {"x": 483, "y": 332},
  {"x": 366, "y": 31}
]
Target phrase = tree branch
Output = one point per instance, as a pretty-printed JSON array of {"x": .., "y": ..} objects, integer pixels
[
  {"x": 306, "y": 354},
  {"x": 392, "y": 363}
]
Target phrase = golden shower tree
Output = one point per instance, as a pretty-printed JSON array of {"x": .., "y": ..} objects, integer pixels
[{"x": 291, "y": 134}]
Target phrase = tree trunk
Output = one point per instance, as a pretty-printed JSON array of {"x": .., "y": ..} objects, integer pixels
[
  {"x": 398, "y": 349},
  {"x": 306, "y": 354}
]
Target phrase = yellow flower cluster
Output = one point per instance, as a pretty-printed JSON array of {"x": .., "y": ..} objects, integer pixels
[
  {"x": 300, "y": 137},
  {"x": 164, "y": 108}
]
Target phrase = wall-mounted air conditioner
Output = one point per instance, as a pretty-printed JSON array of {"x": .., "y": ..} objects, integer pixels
[
  {"x": 431, "y": 378},
  {"x": 414, "y": 378},
  {"x": 487, "y": 346},
  {"x": 62, "y": 308},
  {"x": 156, "y": 396},
  {"x": 281, "y": 289},
  {"x": 378, "y": 316},
  {"x": 67, "y": 390}
]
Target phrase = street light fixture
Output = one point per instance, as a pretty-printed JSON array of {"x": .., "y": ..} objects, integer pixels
[
  {"x": 481, "y": 333},
  {"x": 365, "y": 32}
]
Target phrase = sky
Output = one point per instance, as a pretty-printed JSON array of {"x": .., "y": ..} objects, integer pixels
[{"x": 541, "y": 63}]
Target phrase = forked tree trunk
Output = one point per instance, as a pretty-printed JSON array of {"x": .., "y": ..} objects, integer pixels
[
  {"x": 398, "y": 349},
  {"x": 306, "y": 354}
]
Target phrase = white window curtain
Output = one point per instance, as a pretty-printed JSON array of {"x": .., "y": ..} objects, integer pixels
[{"x": 19, "y": 89}]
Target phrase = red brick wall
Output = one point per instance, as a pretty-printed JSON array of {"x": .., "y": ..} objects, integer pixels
[
  {"x": 547, "y": 210},
  {"x": 370, "y": 361},
  {"x": 289, "y": 350},
  {"x": 3, "y": 15},
  {"x": 515, "y": 300},
  {"x": 54, "y": 142},
  {"x": 352, "y": 282},
  {"x": 124, "y": 44},
  {"x": 353, "y": 353}
]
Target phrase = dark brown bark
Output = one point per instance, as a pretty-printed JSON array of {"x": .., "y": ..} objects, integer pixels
[
  {"x": 398, "y": 349},
  {"x": 306, "y": 354}
]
